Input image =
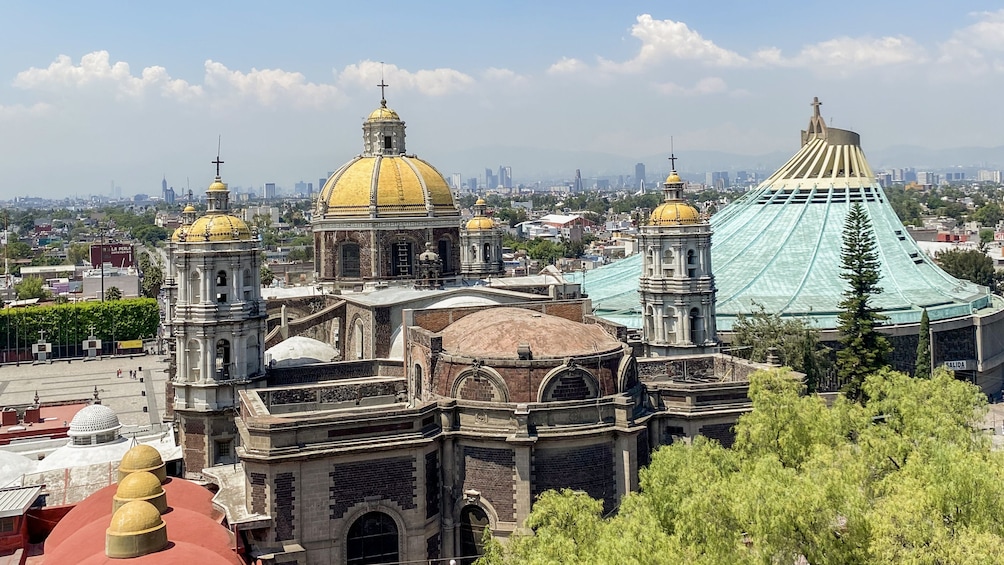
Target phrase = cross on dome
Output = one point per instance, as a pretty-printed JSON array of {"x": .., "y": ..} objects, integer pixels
[
  {"x": 383, "y": 97},
  {"x": 217, "y": 162}
]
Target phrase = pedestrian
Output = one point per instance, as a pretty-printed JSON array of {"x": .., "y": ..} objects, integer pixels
[{"x": 119, "y": 373}]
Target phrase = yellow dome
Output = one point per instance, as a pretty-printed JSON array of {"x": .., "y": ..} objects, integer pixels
[
  {"x": 673, "y": 178},
  {"x": 177, "y": 235},
  {"x": 188, "y": 209},
  {"x": 673, "y": 213},
  {"x": 135, "y": 517},
  {"x": 399, "y": 185},
  {"x": 142, "y": 484},
  {"x": 217, "y": 185},
  {"x": 480, "y": 202},
  {"x": 383, "y": 113},
  {"x": 142, "y": 458},
  {"x": 480, "y": 223},
  {"x": 218, "y": 227}
]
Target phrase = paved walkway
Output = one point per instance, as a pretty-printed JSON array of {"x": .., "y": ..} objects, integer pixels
[{"x": 76, "y": 380}]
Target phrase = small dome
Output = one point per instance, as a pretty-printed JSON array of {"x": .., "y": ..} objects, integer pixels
[
  {"x": 180, "y": 233},
  {"x": 136, "y": 529},
  {"x": 673, "y": 178},
  {"x": 383, "y": 113},
  {"x": 480, "y": 202},
  {"x": 92, "y": 420},
  {"x": 218, "y": 227},
  {"x": 188, "y": 209},
  {"x": 673, "y": 213},
  {"x": 135, "y": 517},
  {"x": 139, "y": 485},
  {"x": 142, "y": 458},
  {"x": 217, "y": 186},
  {"x": 480, "y": 223}
]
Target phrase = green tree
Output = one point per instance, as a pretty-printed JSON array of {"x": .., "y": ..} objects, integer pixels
[
  {"x": 153, "y": 276},
  {"x": 986, "y": 236},
  {"x": 906, "y": 478},
  {"x": 30, "y": 287},
  {"x": 113, "y": 293},
  {"x": 969, "y": 264},
  {"x": 793, "y": 340},
  {"x": 150, "y": 234},
  {"x": 266, "y": 275},
  {"x": 863, "y": 348},
  {"x": 988, "y": 215},
  {"x": 922, "y": 367},
  {"x": 77, "y": 253}
]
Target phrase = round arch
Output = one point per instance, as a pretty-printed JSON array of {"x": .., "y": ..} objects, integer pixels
[
  {"x": 361, "y": 510},
  {"x": 568, "y": 382},
  {"x": 470, "y": 500},
  {"x": 627, "y": 373},
  {"x": 474, "y": 376}
]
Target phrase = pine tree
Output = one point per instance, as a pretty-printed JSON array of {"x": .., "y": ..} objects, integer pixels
[
  {"x": 864, "y": 348},
  {"x": 922, "y": 368}
]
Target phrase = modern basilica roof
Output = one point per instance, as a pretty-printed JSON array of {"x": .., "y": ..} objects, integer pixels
[{"x": 779, "y": 246}]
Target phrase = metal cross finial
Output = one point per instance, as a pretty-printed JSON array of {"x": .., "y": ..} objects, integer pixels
[
  {"x": 672, "y": 161},
  {"x": 383, "y": 85},
  {"x": 218, "y": 162},
  {"x": 815, "y": 106}
]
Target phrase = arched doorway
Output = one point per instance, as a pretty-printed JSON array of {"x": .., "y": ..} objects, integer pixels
[
  {"x": 473, "y": 521},
  {"x": 372, "y": 539}
]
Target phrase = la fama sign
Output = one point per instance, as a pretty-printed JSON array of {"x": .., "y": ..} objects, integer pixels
[{"x": 961, "y": 365}]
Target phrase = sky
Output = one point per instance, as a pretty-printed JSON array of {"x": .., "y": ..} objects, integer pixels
[{"x": 95, "y": 93}]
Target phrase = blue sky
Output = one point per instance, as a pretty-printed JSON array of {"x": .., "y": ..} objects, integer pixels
[{"x": 129, "y": 91}]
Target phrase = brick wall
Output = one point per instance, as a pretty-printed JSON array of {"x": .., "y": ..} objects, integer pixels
[
  {"x": 480, "y": 389},
  {"x": 194, "y": 444},
  {"x": 285, "y": 503},
  {"x": 257, "y": 481},
  {"x": 390, "y": 479},
  {"x": 432, "y": 547},
  {"x": 724, "y": 433},
  {"x": 491, "y": 472},
  {"x": 589, "y": 469}
]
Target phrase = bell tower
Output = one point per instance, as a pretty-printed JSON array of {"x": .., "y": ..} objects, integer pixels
[
  {"x": 677, "y": 285},
  {"x": 218, "y": 327}
]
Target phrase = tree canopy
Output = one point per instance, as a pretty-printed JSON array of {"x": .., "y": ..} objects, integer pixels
[
  {"x": 903, "y": 479},
  {"x": 969, "y": 264},
  {"x": 793, "y": 340}
]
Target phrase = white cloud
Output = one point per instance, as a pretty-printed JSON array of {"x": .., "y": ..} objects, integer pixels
[
  {"x": 707, "y": 85},
  {"x": 434, "y": 82},
  {"x": 848, "y": 54},
  {"x": 20, "y": 110},
  {"x": 96, "y": 71},
  {"x": 976, "y": 48},
  {"x": 567, "y": 65},
  {"x": 268, "y": 87},
  {"x": 494, "y": 74},
  {"x": 667, "y": 39}
]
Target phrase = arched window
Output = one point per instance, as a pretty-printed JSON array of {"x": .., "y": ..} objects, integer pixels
[
  {"x": 488, "y": 252},
  {"x": 357, "y": 338},
  {"x": 670, "y": 325},
  {"x": 418, "y": 381},
  {"x": 194, "y": 361},
  {"x": 473, "y": 521},
  {"x": 667, "y": 262},
  {"x": 691, "y": 263},
  {"x": 572, "y": 384},
  {"x": 372, "y": 539},
  {"x": 246, "y": 284},
  {"x": 350, "y": 260},
  {"x": 222, "y": 359},
  {"x": 221, "y": 278},
  {"x": 195, "y": 288},
  {"x": 695, "y": 326},
  {"x": 474, "y": 253}
]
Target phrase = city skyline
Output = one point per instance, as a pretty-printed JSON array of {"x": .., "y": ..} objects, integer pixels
[{"x": 129, "y": 93}]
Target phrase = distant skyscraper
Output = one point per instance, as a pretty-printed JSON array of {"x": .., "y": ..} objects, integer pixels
[
  {"x": 491, "y": 181},
  {"x": 472, "y": 184},
  {"x": 505, "y": 176},
  {"x": 268, "y": 191},
  {"x": 163, "y": 184},
  {"x": 169, "y": 195},
  {"x": 639, "y": 175},
  {"x": 300, "y": 189},
  {"x": 456, "y": 181},
  {"x": 577, "y": 185}
]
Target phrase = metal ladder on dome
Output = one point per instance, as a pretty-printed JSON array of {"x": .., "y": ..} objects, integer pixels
[{"x": 403, "y": 259}]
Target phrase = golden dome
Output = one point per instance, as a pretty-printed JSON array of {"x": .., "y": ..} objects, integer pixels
[
  {"x": 480, "y": 223},
  {"x": 136, "y": 529},
  {"x": 673, "y": 178},
  {"x": 673, "y": 213},
  {"x": 480, "y": 202},
  {"x": 176, "y": 236},
  {"x": 188, "y": 209},
  {"x": 399, "y": 185},
  {"x": 142, "y": 458},
  {"x": 141, "y": 485},
  {"x": 135, "y": 517},
  {"x": 218, "y": 227},
  {"x": 218, "y": 185},
  {"x": 383, "y": 113}
]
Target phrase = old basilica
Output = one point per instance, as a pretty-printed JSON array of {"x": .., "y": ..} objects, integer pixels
[{"x": 448, "y": 409}]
